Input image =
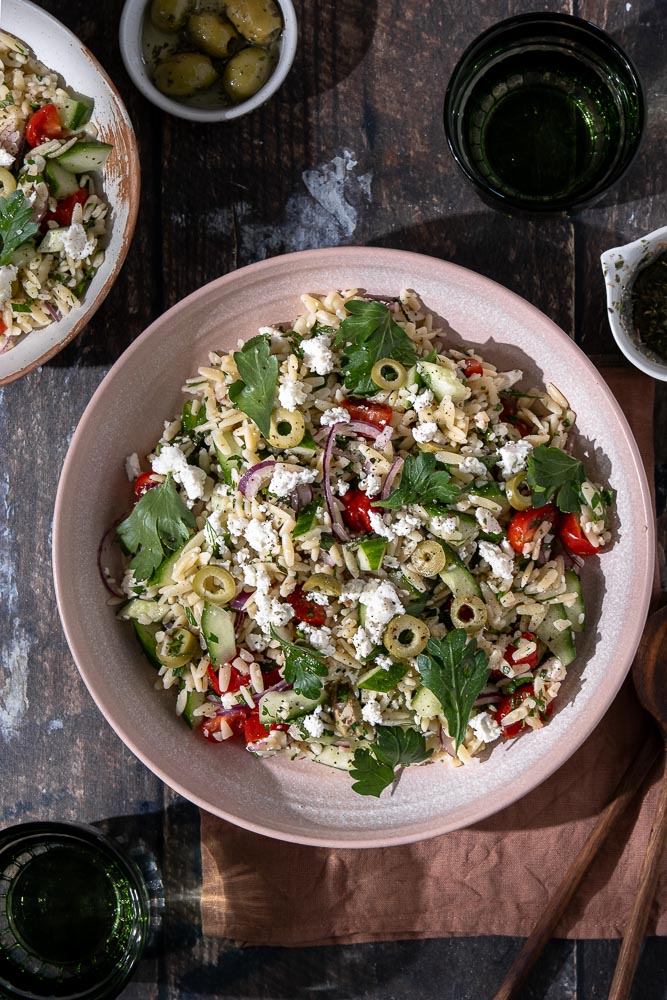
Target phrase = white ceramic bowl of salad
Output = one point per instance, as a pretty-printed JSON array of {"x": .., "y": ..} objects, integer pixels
[
  {"x": 79, "y": 145},
  {"x": 298, "y": 799}
]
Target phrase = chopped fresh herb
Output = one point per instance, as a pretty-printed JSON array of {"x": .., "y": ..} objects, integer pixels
[
  {"x": 368, "y": 335},
  {"x": 8, "y": 101},
  {"x": 214, "y": 539},
  {"x": 21, "y": 307},
  {"x": 455, "y": 671},
  {"x": 305, "y": 522},
  {"x": 421, "y": 483},
  {"x": 190, "y": 616},
  {"x": 191, "y": 420},
  {"x": 552, "y": 473},
  {"x": 514, "y": 683},
  {"x": 255, "y": 390},
  {"x": 327, "y": 541},
  {"x": 518, "y": 394},
  {"x": 373, "y": 769},
  {"x": 159, "y": 523},
  {"x": 16, "y": 225},
  {"x": 303, "y": 667}
]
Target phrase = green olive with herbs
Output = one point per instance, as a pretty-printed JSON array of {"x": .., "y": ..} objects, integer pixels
[
  {"x": 323, "y": 583},
  {"x": 388, "y": 374},
  {"x": 213, "y": 34},
  {"x": 246, "y": 73},
  {"x": 468, "y": 612},
  {"x": 184, "y": 74},
  {"x": 177, "y": 648},
  {"x": 214, "y": 584},
  {"x": 429, "y": 558},
  {"x": 286, "y": 428},
  {"x": 405, "y": 636},
  {"x": 257, "y": 20},
  {"x": 169, "y": 15},
  {"x": 518, "y": 494}
]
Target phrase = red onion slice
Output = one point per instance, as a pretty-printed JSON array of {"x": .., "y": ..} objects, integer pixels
[
  {"x": 49, "y": 308},
  {"x": 239, "y": 602},
  {"x": 394, "y": 470},
  {"x": 337, "y": 525},
  {"x": 491, "y": 699},
  {"x": 351, "y": 427},
  {"x": 109, "y": 551},
  {"x": 301, "y": 496},
  {"x": 256, "y": 477}
]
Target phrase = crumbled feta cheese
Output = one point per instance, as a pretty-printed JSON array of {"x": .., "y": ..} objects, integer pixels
[
  {"x": 319, "y": 599},
  {"x": 256, "y": 642},
  {"x": 473, "y": 466},
  {"x": 7, "y": 278},
  {"x": 317, "y": 354},
  {"x": 362, "y": 643},
  {"x": 422, "y": 400},
  {"x": 236, "y": 526},
  {"x": 76, "y": 243},
  {"x": 485, "y": 727},
  {"x": 481, "y": 420},
  {"x": 132, "y": 466},
  {"x": 319, "y": 638},
  {"x": 336, "y": 415},
  {"x": 372, "y": 713},
  {"x": 382, "y": 603},
  {"x": 487, "y": 521},
  {"x": 402, "y": 526},
  {"x": 508, "y": 379},
  {"x": 502, "y": 565},
  {"x": 425, "y": 432},
  {"x": 411, "y": 395},
  {"x": 291, "y": 395},
  {"x": 341, "y": 488},
  {"x": 371, "y": 484},
  {"x": 553, "y": 669},
  {"x": 385, "y": 662},
  {"x": 352, "y": 590},
  {"x": 270, "y": 611},
  {"x": 262, "y": 537},
  {"x": 171, "y": 459},
  {"x": 513, "y": 457},
  {"x": 6, "y": 159},
  {"x": 444, "y": 527},
  {"x": 284, "y": 481},
  {"x": 313, "y": 724}
]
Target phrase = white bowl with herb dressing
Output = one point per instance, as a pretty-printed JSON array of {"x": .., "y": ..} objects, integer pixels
[
  {"x": 620, "y": 267},
  {"x": 141, "y": 44}
]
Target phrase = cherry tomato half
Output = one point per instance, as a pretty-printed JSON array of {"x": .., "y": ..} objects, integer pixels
[
  {"x": 235, "y": 721},
  {"x": 357, "y": 509},
  {"x": 3, "y": 327},
  {"x": 508, "y": 415},
  {"x": 508, "y": 704},
  {"x": 529, "y": 661},
  {"x": 254, "y": 730},
  {"x": 525, "y": 523},
  {"x": 306, "y": 610},
  {"x": 143, "y": 483},
  {"x": 43, "y": 125},
  {"x": 572, "y": 536},
  {"x": 472, "y": 367},
  {"x": 378, "y": 414}
]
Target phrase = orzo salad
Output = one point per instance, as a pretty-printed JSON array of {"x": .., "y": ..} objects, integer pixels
[
  {"x": 360, "y": 546},
  {"x": 53, "y": 218}
]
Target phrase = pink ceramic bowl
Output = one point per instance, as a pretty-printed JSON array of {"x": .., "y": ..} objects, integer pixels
[{"x": 302, "y": 801}]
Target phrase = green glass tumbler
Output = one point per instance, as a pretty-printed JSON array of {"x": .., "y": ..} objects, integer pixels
[
  {"x": 544, "y": 112},
  {"x": 74, "y": 913}
]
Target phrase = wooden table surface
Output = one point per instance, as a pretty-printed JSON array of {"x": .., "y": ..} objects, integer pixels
[{"x": 350, "y": 151}]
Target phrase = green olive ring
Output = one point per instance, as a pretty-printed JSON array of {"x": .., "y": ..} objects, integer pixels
[
  {"x": 388, "y": 374},
  {"x": 518, "y": 499},
  {"x": 177, "y": 648},
  {"x": 214, "y": 584},
  {"x": 468, "y": 612},
  {"x": 429, "y": 558},
  {"x": 405, "y": 636},
  {"x": 323, "y": 583},
  {"x": 287, "y": 429}
]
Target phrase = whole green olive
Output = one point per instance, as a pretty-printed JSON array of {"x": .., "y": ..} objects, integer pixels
[
  {"x": 257, "y": 20},
  {"x": 183, "y": 74},
  {"x": 246, "y": 72},
  {"x": 169, "y": 15},
  {"x": 213, "y": 34}
]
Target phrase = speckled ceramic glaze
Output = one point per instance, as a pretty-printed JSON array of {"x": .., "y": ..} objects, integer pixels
[
  {"x": 61, "y": 51},
  {"x": 302, "y": 801}
]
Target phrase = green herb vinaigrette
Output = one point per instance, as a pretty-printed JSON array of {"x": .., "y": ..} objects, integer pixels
[{"x": 649, "y": 305}]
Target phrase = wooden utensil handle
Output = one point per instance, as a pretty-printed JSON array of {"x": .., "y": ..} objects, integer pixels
[
  {"x": 634, "y": 931},
  {"x": 532, "y": 949}
]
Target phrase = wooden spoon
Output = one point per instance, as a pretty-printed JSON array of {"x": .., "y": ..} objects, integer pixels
[{"x": 650, "y": 679}]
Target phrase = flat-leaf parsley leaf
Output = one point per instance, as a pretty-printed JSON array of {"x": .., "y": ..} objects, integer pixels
[
  {"x": 373, "y": 768},
  {"x": 421, "y": 483},
  {"x": 160, "y": 523},
  {"x": 16, "y": 225},
  {"x": 255, "y": 390},
  {"x": 455, "y": 671},
  {"x": 553, "y": 473},
  {"x": 368, "y": 335},
  {"x": 303, "y": 667}
]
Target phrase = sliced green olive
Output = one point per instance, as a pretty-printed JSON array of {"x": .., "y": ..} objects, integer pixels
[
  {"x": 287, "y": 429},
  {"x": 323, "y": 583},
  {"x": 7, "y": 182},
  {"x": 428, "y": 558},
  {"x": 468, "y": 612},
  {"x": 214, "y": 584},
  {"x": 518, "y": 498},
  {"x": 388, "y": 374},
  {"x": 257, "y": 20},
  {"x": 184, "y": 74},
  {"x": 177, "y": 648},
  {"x": 213, "y": 34},
  {"x": 169, "y": 15},
  {"x": 405, "y": 636},
  {"x": 246, "y": 73}
]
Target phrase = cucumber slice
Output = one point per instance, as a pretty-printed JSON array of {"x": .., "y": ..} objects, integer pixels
[
  {"x": 371, "y": 553},
  {"x": 75, "y": 111},
  {"x": 85, "y": 157},
  {"x": 425, "y": 704},
  {"x": 305, "y": 447},
  {"x": 61, "y": 183},
  {"x": 575, "y": 612},
  {"x": 490, "y": 491},
  {"x": 138, "y": 607},
  {"x": 191, "y": 420},
  {"x": 163, "y": 575},
  {"x": 443, "y": 382},
  {"x": 560, "y": 643},
  {"x": 281, "y": 706},
  {"x": 217, "y": 627},
  {"x": 339, "y": 757},
  {"x": 466, "y": 526},
  {"x": 306, "y": 520},
  {"x": 54, "y": 241},
  {"x": 146, "y": 636},
  {"x": 457, "y": 576},
  {"x": 379, "y": 679},
  {"x": 194, "y": 700}
]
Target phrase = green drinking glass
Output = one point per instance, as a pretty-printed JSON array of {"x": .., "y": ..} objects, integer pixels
[
  {"x": 544, "y": 112},
  {"x": 74, "y": 913}
]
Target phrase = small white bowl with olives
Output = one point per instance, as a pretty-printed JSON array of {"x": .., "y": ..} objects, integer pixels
[{"x": 208, "y": 60}]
